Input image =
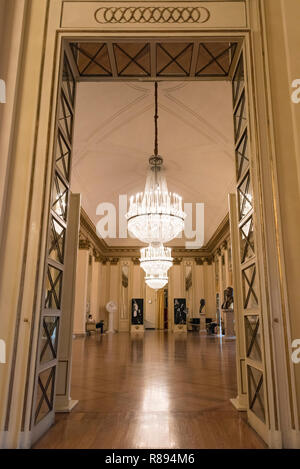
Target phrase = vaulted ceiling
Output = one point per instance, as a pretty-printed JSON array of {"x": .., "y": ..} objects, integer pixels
[{"x": 114, "y": 139}]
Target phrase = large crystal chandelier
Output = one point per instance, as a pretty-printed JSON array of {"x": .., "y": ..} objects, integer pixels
[
  {"x": 155, "y": 217},
  {"x": 155, "y": 261}
]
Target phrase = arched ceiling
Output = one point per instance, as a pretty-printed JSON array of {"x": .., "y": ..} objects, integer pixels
[{"x": 114, "y": 138}]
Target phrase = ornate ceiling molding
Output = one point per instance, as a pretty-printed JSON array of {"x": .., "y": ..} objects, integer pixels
[{"x": 104, "y": 253}]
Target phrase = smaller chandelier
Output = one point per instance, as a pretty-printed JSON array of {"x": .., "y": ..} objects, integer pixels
[{"x": 155, "y": 261}]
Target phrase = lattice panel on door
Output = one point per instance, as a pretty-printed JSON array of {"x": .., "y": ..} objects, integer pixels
[
  {"x": 253, "y": 337},
  {"x": 245, "y": 196},
  {"x": 57, "y": 241},
  {"x": 247, "y": 240},
  {"x": 251, "y": 314},
  {"x": 240, "y": 116},
  {"x": 49, "y": 338},
  {"x": 54, "y": 272},
  {"x": 242, "y": 158},
  {"x": 256, "y": 392},
  {"x": 238, "y": 80},
  {"x": 250, "y": 287},
  {"x": 53, "y": 288},
  {"x": 45, "y": 393}
]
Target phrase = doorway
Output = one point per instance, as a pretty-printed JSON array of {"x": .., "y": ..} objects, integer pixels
[{"x": 123, "y": 59}]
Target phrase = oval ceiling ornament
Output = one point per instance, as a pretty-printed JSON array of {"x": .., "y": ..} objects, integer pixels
[{"x": 152, "y": 14}]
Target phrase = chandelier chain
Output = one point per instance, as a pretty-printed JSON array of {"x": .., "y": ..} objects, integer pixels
[{"x": 155, "y": 120}]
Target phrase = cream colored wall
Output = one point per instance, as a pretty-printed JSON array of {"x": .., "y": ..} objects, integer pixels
[
  {"x": 283, "y": 39},
  {"x": 95, "y": 287},
  {"x": 81, "y": 291},
  {"x": 150, "y": 308}
]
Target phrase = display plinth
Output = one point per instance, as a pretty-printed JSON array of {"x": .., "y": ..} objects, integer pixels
[
  {"x": 137, "y": 328},
  {"x": 179, "y": 328},
  {"x": 228, "y": 315},
  {"x": 202, "y": 322}
]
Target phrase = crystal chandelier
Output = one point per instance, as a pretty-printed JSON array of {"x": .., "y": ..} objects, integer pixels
[
  {"x": 155, "y": 215},
  {"x": 155, "y": 261}
]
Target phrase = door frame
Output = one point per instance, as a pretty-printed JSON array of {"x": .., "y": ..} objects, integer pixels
[{"x": 281, "y": 393}]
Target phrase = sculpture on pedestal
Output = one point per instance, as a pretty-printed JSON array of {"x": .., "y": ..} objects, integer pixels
[
  {"x": 111, "y": 308},
  {"x": 228, "y": 298}
]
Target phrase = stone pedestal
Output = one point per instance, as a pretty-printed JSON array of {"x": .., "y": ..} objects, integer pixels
[
  {"x": 111, "y": 329},
  {"x": 180, "y": 328},
  {"x": 202, "y": 322},
  {"x": 228, "y": 315},
  {"x": 137, "y": 328}
]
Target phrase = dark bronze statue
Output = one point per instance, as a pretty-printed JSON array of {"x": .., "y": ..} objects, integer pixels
[
  {"x": 202, "y": 304},
  {"x": 228, "y": 298}
]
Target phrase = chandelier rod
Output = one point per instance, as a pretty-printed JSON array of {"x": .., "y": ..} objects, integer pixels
[{"x": 155, "y": 120}]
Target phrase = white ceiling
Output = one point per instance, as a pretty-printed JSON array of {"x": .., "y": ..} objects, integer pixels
[{"x": 114, "y": 138}]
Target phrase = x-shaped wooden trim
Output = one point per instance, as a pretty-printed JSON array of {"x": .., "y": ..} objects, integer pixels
[
  {"x": 133, "y": 59},
  {"x": 242, "y": 153},
  {"x": 239, "y": 116},
  {"x": 250, "y": 285},
  {"x": 67, "y": 118},
  {"x": 254, "y": 332},
  {"x": 48, "y": 337},
  {"x": 248, "y": 245},
  {"x": 215, "y": 59},
  {"x": 174, "y": 59},
  {"x": 257, "y": 390},
  {"x": 55, "y": 240},
  {"x": 63, "y": 154},
  {"x": 244, "y": 195},
  {"x": 58, "y": 200},
  {"x": 91, "y": 58},
  {"x": 237, "y": 78},
  {"x": 70, "y": 79},
  {"x": 52, "y": 293},
  {"x": 44, "y": 393}
]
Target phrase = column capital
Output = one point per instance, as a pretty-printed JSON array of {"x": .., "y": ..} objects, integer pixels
[
  {"x": 114, "y": 260},
  {"x": 224, "y": 245},
  {"x": 177, "y": 260},
  {"x": 209, "y": 260},
  {"x": 200, "y": 260},
  {"x": 84, "y": 244},
  {"x": 98, "y": 257}
]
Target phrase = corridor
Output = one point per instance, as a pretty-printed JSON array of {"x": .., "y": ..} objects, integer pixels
[{"x": 152, "y": 390}]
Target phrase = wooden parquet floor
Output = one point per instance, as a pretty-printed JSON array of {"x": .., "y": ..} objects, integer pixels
[{"x": 157, "y": 390}]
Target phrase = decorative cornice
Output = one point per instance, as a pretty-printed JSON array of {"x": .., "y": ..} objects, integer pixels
[
  {"x": 131, "y": 13},
  {"x": 90, "y": 239},
  {"x": 219, "y": 235}
]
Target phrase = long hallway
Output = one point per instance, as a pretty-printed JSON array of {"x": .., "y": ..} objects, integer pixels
[{"x": 153, "y": 390}]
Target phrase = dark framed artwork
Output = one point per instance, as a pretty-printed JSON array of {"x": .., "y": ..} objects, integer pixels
[
  {"x": 137, "y": 311},
  {"x": 179, "y": 310}
]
